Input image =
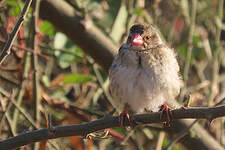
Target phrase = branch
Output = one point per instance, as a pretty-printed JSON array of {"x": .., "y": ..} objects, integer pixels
[
  {"x": 190, "y": 41},
  {"x": 34, "y": 62},
  {"x": 7, "y": 49},
  {"x": 108, "y": 122},
  {"x": 80, "y": 30}
]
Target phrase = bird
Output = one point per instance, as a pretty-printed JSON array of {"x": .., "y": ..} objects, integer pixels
[{"x": 145, "y": 73}]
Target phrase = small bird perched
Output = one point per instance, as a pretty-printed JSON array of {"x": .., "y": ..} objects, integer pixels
[{"x": 145, "y": 73}]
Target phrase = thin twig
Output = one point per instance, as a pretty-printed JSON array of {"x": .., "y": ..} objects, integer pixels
[
  {"x": 128, "y": 135},
  {"x": 160, "y": 140},
  {"x": 21, "y": 110},
  {"x": 47, "y": 47},
  {"x": 4, "y": 114},
  {"x": 7, "y": 49},
  {"x": 220, "y": 102},
  {"x": 19, "y": 98},
  {"x": 69, "y": 106},
  {"x": 215, "y": 64},
  {"x": 24, "y": 113},
  {"x": 9, "y": 78},
  {"x": 190, "y": 45},
  {"x": 28, "y": 50},
  {"x": 34, "y": 62},
  {"x": 108, "y": 122},
  {"x": 9, "y": 122},
  {"x": 180, "y": 135},
  {"x": 104, "y": 85},
  {"x": 7, "y": 117}
]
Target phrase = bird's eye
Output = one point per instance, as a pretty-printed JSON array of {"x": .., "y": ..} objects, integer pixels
[{"x": 147, "y": 37}]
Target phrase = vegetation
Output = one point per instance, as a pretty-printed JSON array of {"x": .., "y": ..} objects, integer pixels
[{"x": 55, "y": 73}]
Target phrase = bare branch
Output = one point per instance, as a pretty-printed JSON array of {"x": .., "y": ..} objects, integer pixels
[
  {"x": 80, "y": 30},
  {"x": 7, "y": 49},
  {"x": 190, "y": 39},
  {"x": 108, "y": 122}
]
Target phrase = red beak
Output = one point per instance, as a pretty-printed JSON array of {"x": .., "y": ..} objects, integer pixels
[{"x": 136, "y": 39}]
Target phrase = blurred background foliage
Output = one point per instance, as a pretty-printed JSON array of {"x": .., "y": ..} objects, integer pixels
[{"x": 72, "y": 87}]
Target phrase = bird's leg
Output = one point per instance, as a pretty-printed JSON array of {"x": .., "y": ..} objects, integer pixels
[
  {"x": 165, "y": 109},
  {"x": 186, "y": 101},
  {"x": 124, "y": 114}
]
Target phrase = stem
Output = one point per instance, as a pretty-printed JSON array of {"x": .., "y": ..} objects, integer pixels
[
  {"x": 7, "y": 49},
  {"x": 190, "y": 43},
  {"x": 215, "y": 66},
  {"x": 34, "y": 46},
  {"x": 19, "y": 98}
]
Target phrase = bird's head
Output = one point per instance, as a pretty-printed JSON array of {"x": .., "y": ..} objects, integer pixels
[{"x": 143, "y": 37}]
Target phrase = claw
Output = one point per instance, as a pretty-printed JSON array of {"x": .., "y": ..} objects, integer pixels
[
  {"x": 124, "y": 115},
  {"x": 166, "y": 110}
]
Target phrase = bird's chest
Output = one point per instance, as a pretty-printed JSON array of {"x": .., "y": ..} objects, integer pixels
[
  {"x": 135, "y": 76},
  {"x": 138, "y": 79},
  {"x": 133, "y": 81},
  {"x": 137, "y": 87},
  {"x": 142, "y": 68}
]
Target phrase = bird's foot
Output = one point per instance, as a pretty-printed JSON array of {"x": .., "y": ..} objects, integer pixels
[
  {"x": 165, "y": 109},
  {"x": 124, "y": 115}
]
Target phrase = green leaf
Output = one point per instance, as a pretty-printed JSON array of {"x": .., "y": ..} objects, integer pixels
[
  {"x": 12, "y": 2},
  {"x": 71, "y": 53},
  {"x": 195, "y": 40},
  {"x": 47, "y": 28},
  {"x": 165, "y": 143},
  {"x": 16, "y": 7},
  {"x": 65, "y": 60},
  {"x": 45, "y": 80},
  {"x": 197, "y": 53},
  {"x": 182, "y": 50},
  {"x": 74, "y": 49},
  {"x": 119, "y": 130},
  {"x": 78, "y": 78},
  {"x": 60, "y": 40},
  {"x": 138, "y": 11},
  {"x": 15, "y": 11},
  {"x": 177, "y": 148},
  {"x": 94, "y": 6}
]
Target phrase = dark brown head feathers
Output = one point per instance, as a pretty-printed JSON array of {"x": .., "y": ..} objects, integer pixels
[{"x": 138, "y": 28}]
